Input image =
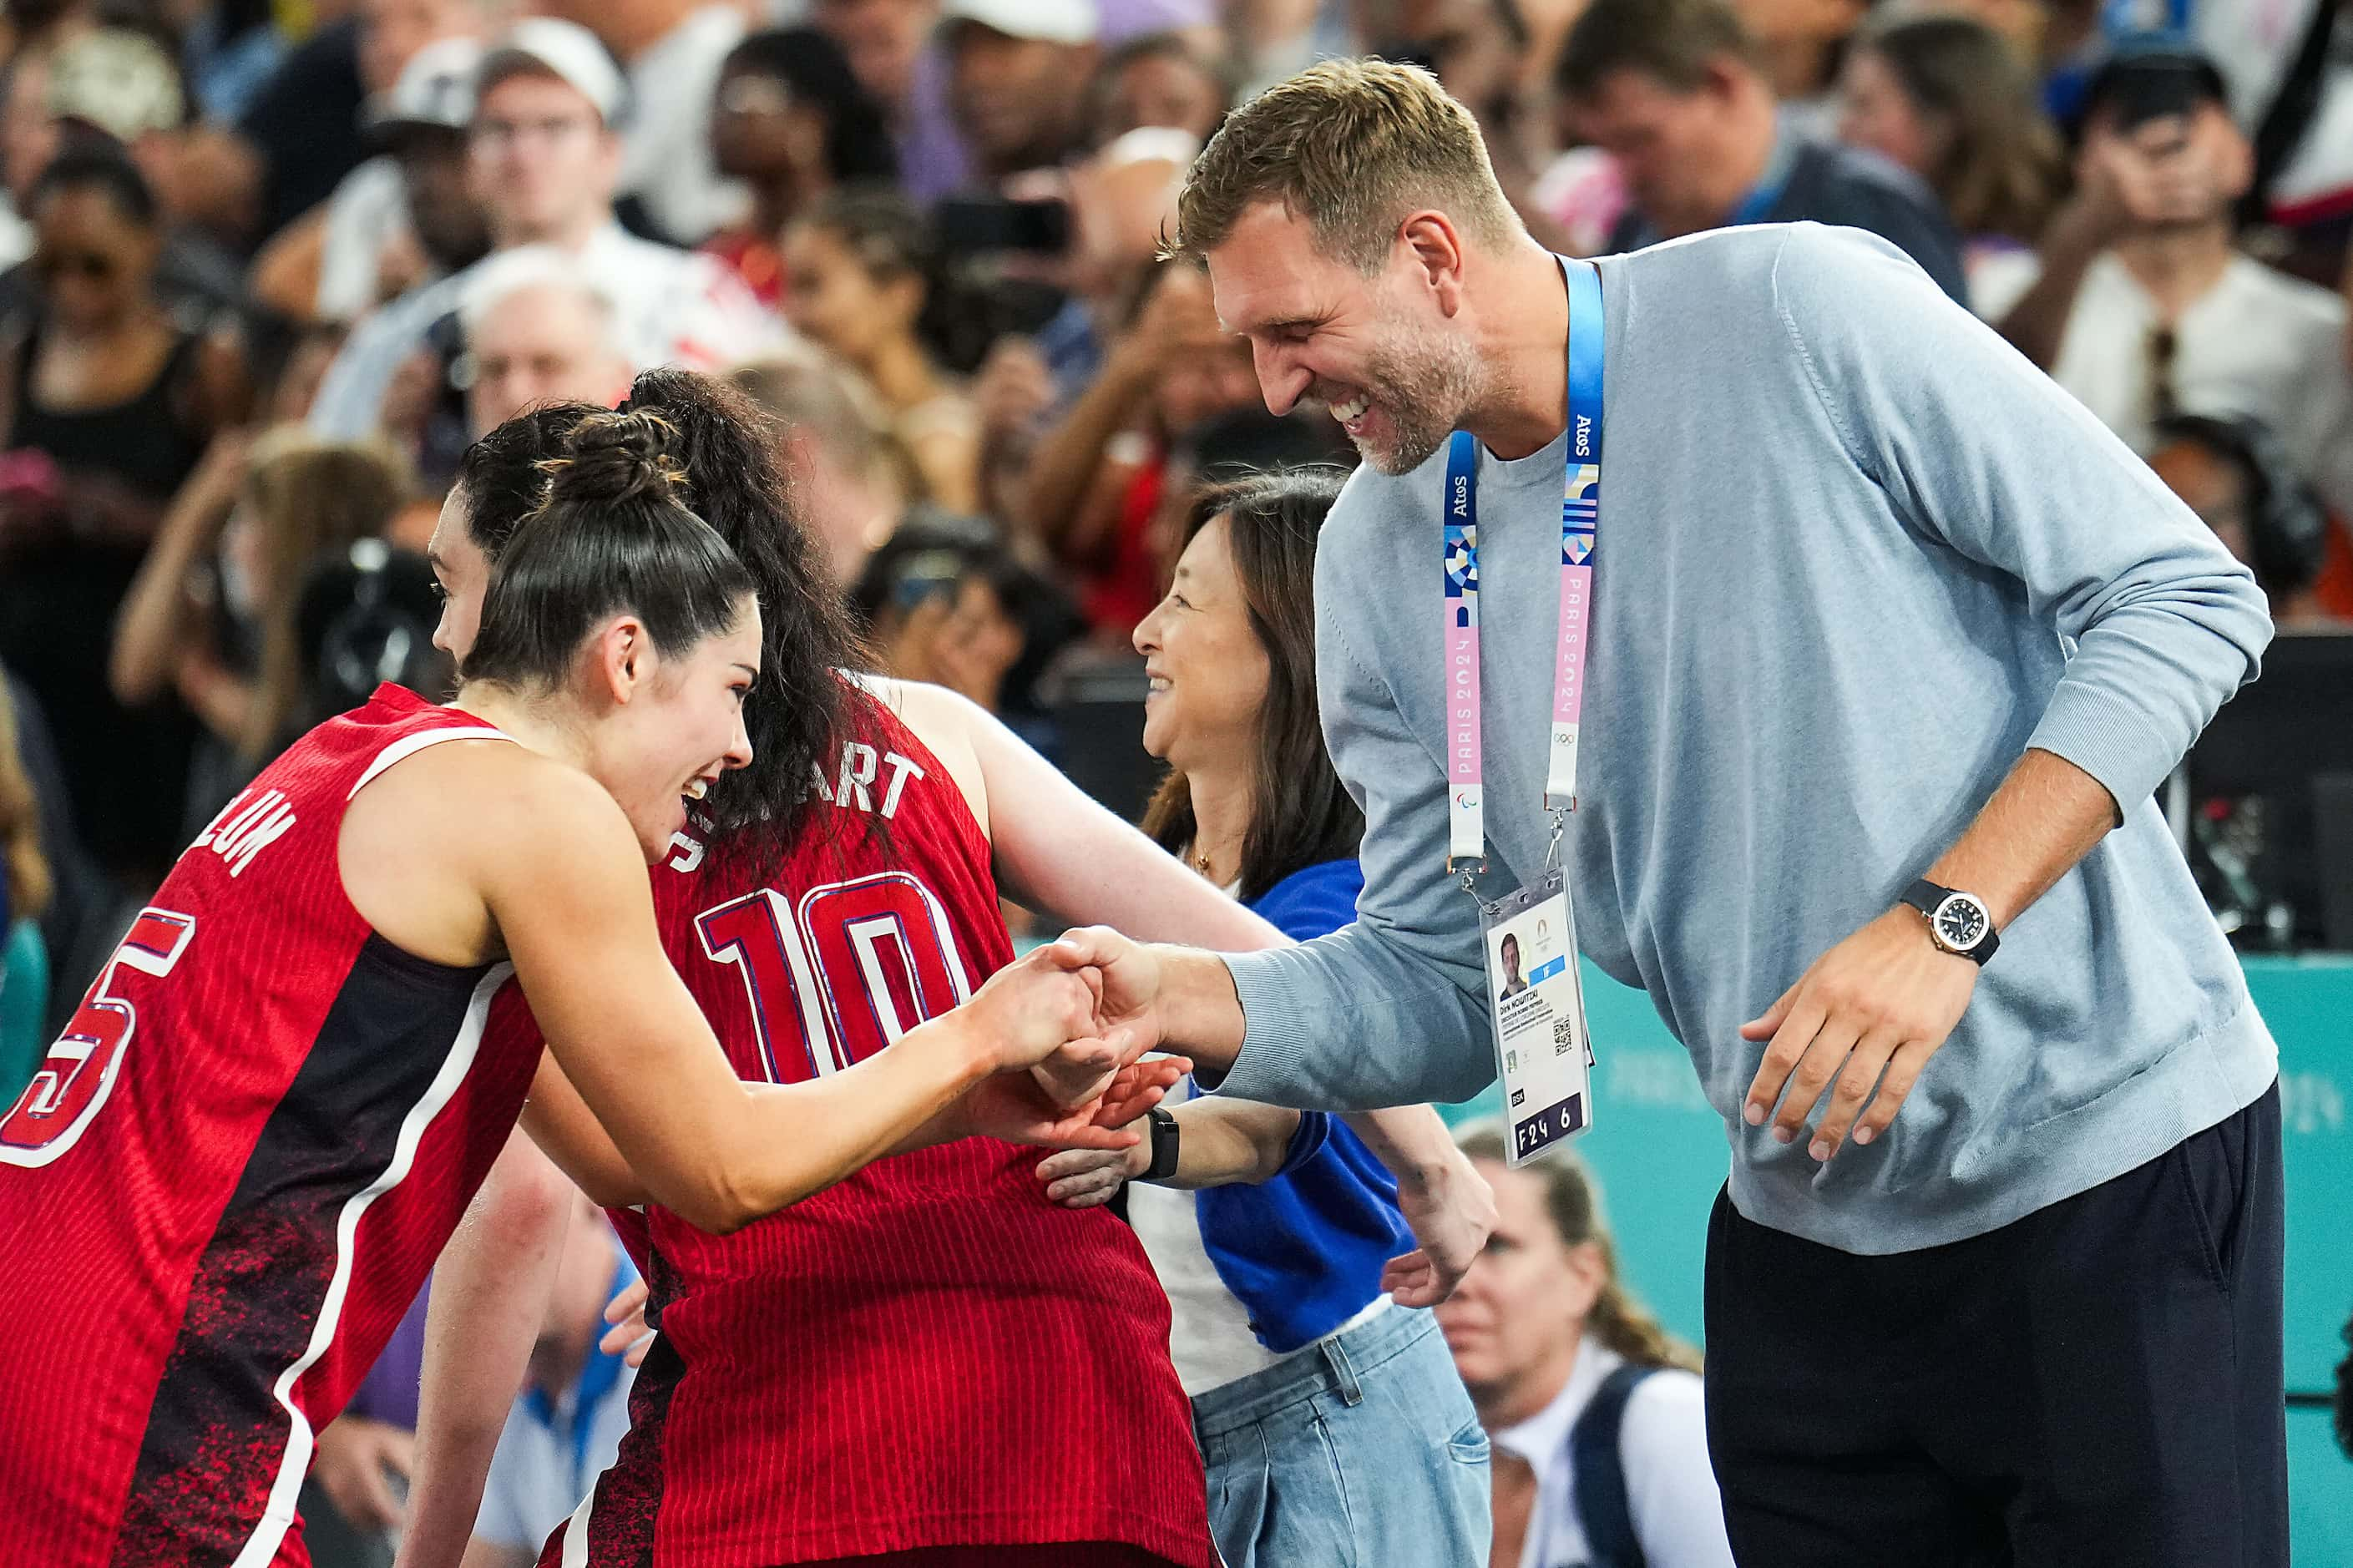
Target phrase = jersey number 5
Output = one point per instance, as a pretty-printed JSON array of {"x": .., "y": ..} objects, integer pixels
[
  {"x": 80, "y": 1072},
  {"x": 853, "y": 967}
]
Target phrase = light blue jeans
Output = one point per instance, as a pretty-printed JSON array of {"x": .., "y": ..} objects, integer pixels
[{"x": 1362, "y": 1452}]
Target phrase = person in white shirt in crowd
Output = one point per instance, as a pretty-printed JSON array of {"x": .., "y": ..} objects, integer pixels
[
  {"x": 538, "y": 329},
  {"x": 2289, "y": 67},
  {"x": 544, "y": 158},
  {"x": 367, "y": 243},
  {"x": 379, "y": 239},
  {"x": 1596, "y": 1413},
  {"x": 2144, "y": 309},
  {"x": 670, "y": 51},
  {"x": 568, "y": 1421}
]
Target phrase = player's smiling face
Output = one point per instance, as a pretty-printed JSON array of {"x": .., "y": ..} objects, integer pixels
[{"x": 664, "y": 728}]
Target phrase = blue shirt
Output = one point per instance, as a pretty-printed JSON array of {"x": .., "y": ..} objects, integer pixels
[{"x": 1303, "y": 1252}]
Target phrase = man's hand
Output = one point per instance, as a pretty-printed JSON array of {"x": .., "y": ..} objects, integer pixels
[
  {"x": 1451, "y": 1211},
  {"x": 1012, "y": 1107},
  {"x": 1046, "y": 1005},
  {"x": 1126, "y": 976},
  {"x": 1883, "y": 1000},
  {"x": 350, "y": 1459},
  {"x": 1084, "y": 1178}
]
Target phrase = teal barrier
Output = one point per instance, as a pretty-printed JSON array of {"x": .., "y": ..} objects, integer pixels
[{"x": 1659, "y": 1153}]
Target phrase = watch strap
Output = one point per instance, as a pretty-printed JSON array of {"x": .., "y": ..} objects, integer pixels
[{"x": 1165, "y": 1134}]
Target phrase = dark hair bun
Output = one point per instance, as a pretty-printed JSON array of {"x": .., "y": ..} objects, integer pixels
[{"x": 616, "y": 458}]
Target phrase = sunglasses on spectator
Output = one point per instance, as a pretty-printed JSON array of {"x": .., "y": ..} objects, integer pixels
[
  {"x": 750, "y": 94},
  {"x": 95, "y": 266}
]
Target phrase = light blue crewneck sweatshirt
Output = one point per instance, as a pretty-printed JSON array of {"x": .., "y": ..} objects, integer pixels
[{"x": 1856, "y": 555}]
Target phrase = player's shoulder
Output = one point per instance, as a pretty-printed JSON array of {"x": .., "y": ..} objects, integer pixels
[
  {"x": 473, "y": 791},
  {"x": 949, "y": 725}
]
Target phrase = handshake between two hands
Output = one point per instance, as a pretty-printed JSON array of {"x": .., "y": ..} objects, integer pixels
[{"x": 1066, "y": 1044}]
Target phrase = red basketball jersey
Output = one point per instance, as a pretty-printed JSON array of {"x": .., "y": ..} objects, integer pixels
[
  {"x": 229, "y": 1178},
  {"x": 928, "y": 1354}
]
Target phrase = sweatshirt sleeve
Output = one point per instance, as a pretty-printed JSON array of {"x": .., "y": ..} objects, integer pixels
[
  {"x": 1979, "y": 451},
  {"x": 1388, "y": 1010}
]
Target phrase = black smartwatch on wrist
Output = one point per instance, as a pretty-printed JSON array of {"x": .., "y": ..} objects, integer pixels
[
  {"x": 1958, "y": 922},
  {"x": 1163, "y": 1146}
]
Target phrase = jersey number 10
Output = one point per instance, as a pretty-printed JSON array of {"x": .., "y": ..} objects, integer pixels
[{"x": 846, "y": 970}]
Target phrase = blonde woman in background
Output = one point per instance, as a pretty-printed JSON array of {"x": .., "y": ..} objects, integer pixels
[
  {"x": 1595, "y": 1412},
  {"x": 211, "y": 613},
  {"x": 853, "y": 478}
]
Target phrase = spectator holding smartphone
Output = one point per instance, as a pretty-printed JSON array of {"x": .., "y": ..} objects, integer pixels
[
  {"x": 2144, "y": 309},
  {"x": 941, "y": 603}
]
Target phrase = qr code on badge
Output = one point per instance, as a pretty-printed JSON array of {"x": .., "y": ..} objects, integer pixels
[{"x": 1563, "y": 1034}]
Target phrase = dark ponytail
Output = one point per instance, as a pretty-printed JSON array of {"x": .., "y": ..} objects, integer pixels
[
  {"x": 801, "y": 711},
  {"x": 611, "y": 537}
]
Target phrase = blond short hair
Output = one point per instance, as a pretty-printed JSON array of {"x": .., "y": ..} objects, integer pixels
[{"x": 1354, "y": 146}]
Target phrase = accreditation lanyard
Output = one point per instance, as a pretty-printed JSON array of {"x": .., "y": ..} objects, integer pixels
[{"x": 1580, "y": 521}]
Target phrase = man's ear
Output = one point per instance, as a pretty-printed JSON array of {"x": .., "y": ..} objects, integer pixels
[{"x": 1436, "y": 246}]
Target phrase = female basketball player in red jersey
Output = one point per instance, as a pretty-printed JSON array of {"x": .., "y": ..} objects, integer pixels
[
  {"x": 922, "y": 1362},
  {"x": 230, "y": 1177}
]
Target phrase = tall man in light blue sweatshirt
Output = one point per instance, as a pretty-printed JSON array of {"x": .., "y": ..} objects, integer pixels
[{"x": 1873, "y": 603}]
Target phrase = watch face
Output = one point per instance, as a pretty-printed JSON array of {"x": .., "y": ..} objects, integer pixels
[{"x": 1960, "y": 920}]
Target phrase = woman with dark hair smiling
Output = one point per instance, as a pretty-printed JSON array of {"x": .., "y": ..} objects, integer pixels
[{"x": 1330, "y": 1417}]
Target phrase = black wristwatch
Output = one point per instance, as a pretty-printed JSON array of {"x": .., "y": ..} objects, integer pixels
[
  {"x": 1958, "y": 922},
  {"x": 1163, "y": 1146}
]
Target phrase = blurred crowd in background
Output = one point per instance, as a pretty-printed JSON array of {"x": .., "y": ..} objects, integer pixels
[{"x": 269, "y": 265}]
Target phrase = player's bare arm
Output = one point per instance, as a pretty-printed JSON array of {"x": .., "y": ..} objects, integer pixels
[{"x": 491, "y": 1294}]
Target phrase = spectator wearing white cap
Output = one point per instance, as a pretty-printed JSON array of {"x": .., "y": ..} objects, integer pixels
[
  {"x": 405, "y": 216},
  {"x": 1019, "y": 73},
  {"x": 545, "y": 161},
  {"x": 359, "y": 247},
  {"x": 671, "y": 51},
  {"x": 538, "y": 329}
]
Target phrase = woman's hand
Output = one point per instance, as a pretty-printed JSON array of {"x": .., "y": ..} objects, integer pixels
[
  {"x": 1086, "y": 1178},
  {"x": 1012, "y": 1107},
  {"x": 629, "y": 1336},
  {"x": 1037, "y": 1006}
]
